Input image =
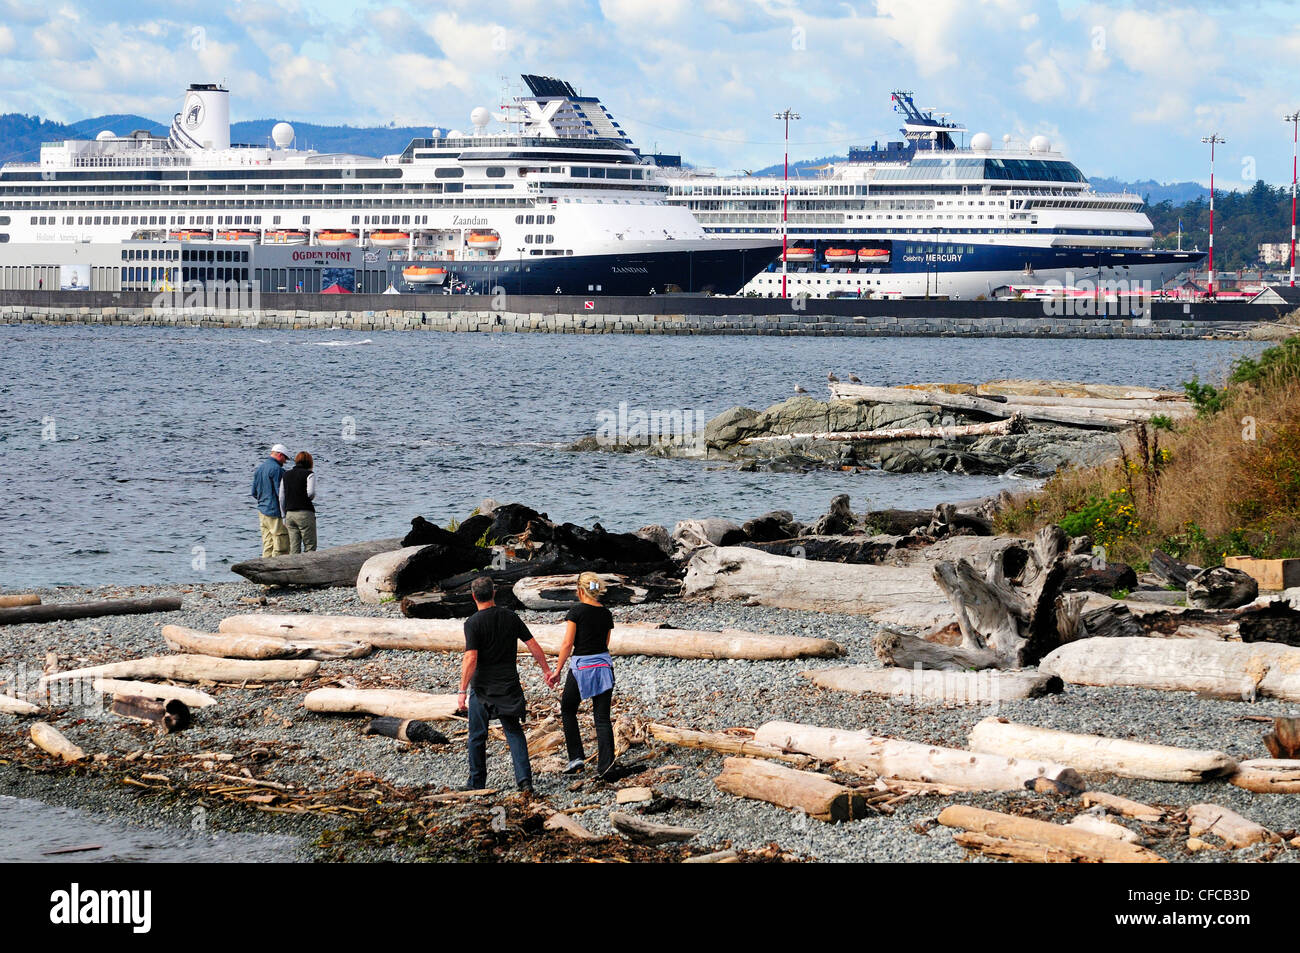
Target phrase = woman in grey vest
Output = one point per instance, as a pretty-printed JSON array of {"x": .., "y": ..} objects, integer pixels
[{"x": 297, "y": 491}]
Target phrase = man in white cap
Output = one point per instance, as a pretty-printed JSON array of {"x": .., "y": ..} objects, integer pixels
[{"x": 266, "y": 490}]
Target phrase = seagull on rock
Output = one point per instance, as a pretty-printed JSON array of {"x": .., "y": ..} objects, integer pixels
[
  {"x": 830, "y": 376},
  {"x": 854, "y": 378},
  {"x": 798, "y": 389}
]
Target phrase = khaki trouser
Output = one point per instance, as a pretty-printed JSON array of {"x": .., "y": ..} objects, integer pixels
[
  {"x": 275, "y": 538},
  {"x": 302, "y": 530}
]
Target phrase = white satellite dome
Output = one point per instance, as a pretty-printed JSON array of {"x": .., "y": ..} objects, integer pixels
[
  {"x": 106, "y": 134},
  {"x": 282, "y": 134},
  {"x": 1006, "y": 138},
  {"x": 480, "y": 117},
  {"x": 1040, "y": 144},
  {"x": 455, "y": 134},
  {"x": 981, "y": 142}
]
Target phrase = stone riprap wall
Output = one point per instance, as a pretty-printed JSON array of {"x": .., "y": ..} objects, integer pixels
[{"x": 595, "y": 323}]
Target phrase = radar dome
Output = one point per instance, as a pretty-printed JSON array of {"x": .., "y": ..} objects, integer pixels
[
  {"x": 455, "y": 134},
  {"x": 106, "y": 134},
  {"x": 981, "y": 142},
  {"x": 480, "y": 117},
  {"x": 282, "y": 134},
  {"x": 1040, "y": 144}
]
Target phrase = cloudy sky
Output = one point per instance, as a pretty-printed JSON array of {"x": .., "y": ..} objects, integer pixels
[{"x": 1127, "y": 89}]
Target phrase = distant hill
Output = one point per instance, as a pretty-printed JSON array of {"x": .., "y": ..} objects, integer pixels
[
  {"x": 1154, "y": 192},
  {"x": 21, "y": 136}
]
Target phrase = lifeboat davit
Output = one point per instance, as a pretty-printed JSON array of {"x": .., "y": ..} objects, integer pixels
[
  {"x": 422, "y": 275},
  {"x": 285, "y": 236},
  {"x": 236, "y": 235},
  {"x": 484, "y": 241},
  {"x": 190, "y": 235},
  {"x": 873, "y": 254},
  {"x": 841, "y": 255},
  {"x": 389, "y": 239},
  {"x": 800, "y": 254},
  {"x": 336, "y": 238}
]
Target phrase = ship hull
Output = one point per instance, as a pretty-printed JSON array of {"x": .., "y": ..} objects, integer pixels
[
  {"x": 710, "y": 267},
  {"x": 921, "y": 269}
]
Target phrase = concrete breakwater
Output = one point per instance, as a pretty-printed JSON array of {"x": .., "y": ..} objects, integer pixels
[{"x": 691, "y": 316}]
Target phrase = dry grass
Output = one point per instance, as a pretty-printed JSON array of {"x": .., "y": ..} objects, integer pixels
[{"x": 1225, "y": 483}]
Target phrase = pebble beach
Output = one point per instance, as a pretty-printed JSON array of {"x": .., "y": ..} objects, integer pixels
[{"x": 368, "y": 789}]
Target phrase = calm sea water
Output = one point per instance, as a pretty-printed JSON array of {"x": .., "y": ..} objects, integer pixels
[
  {"x": 126, "y": 453},
  {"x": 30, "y": 831}
]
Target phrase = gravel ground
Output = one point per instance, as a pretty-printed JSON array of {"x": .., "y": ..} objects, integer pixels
[{"x": 320, "y": 752}]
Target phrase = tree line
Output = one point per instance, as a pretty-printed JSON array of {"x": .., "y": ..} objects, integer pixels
[{"x": 1242, "y": 222}]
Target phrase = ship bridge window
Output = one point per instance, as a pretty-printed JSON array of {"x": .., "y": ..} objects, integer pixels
[
  {"x": 496, "y": 172},
  {"x": 449, "y": 173},
  {"x": 618, "y": 173},
  {"x": 578, "y": 172},
  {"x": 596, "y": 173}
]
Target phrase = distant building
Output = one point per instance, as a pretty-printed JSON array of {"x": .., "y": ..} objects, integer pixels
[{"x": 1275, "y": 253}]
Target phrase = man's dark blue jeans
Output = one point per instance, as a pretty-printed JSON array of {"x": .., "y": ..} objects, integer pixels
[{"x": 478, "y": 733}]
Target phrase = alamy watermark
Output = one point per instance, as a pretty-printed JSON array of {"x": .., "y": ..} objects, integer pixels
[{"x": 657, "y": 426}]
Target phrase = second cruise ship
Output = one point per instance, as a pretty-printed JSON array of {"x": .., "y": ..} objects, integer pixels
[{"x": 925, "y": 217}]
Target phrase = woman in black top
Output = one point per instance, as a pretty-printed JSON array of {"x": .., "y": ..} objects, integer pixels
[
  {"x": 297, "y": 491},
  {"x": 591, "y": 673}
]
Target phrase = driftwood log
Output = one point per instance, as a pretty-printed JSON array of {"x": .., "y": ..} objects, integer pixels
[
  {"x": 61, "y": 611},
  {"x": 1096, "y": 754},
  {"x": 48, "y": 738},
  {"x": 1013, "y": 616},
  {"x": 1013, "y": 424},
  {"x": 1222, "y": 669},
  {"x": 859, "y": 550},
  {"x": 949, "y": 687},
  {"x": 447, "y": 635},
  {"x": 743, "y": 574},
  {"x": 405, "y": 729},
  {"x": 648, "y": 832},
  {"x": 725, "y": 743},
  {"x": 335, "y": 566},
  {"x": 1062, "y": 410},
  {"x": 1268, "y": 776},
  {"x": 892, "y": 758},
  {"x": 243, "y": 646},
  {"x": 815, "y": 795},
  {"x": 19, "y": 599},
  {"x": 16, "y": 706},
  {"x": 394, "y": 703},
  {"x": 1284, "y": 740},
  {"x": 544, "y": 593},
  {"x": 195, "y": 668},
  {"x": 170, "y": 714},
  {"x": 1171, "y": 571},
  {"x": 192, "y": 697},
  {"x": 1021, "y": 831},
  {"x": 1115, "y": 804},
  {"x": 1227, "y": 825},
  {"x": 388, "y": 576}
]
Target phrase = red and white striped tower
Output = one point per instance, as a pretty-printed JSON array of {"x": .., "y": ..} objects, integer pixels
[
  {"x": 1294, "y": 120},
  {"x": 1213, "y": 139},
  {"x": 785, "y": 116}
]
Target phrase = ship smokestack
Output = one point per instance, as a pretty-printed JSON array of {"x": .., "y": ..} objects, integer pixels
[{"x": 204, "y": 119}]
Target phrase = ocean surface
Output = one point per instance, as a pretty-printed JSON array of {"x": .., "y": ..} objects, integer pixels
[
  {"x": 126, "y": 454},
  {"x": 33, "y": 832}
]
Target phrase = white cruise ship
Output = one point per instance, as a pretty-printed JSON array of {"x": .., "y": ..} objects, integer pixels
[
  {"x": 925, "y": 217},
  {"x": 561, "y": 202}
]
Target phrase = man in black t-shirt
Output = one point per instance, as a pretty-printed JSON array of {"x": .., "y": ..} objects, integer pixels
[{"x": 489, "y": 683}]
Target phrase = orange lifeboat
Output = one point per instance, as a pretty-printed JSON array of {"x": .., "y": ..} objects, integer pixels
[
  {"x": 484, "y": 241},
  {"x": 389, "y": 239},
  {"x": 190, "y": 235},
  {"x": 329, "y": 237},
  {"x": 873, "y": 254},
  {"x": 800, "y": 254},
  {"x": 285, "y": 236},
  {"x": 841, "y": 255},
  {"x": 423, "y": 275},
  {"x": 236, "y": 235}
]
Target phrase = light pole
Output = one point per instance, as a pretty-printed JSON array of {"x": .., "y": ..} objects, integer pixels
[
  {"x": 1213, "y": 139},
  {"x": 785, "y": 116},
  {"x": 1294, "y": 120},
  {"x": 521, "y": 269}
]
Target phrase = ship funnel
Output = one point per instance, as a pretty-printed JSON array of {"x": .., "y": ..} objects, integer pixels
[{"x": 204, "y": 119}]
